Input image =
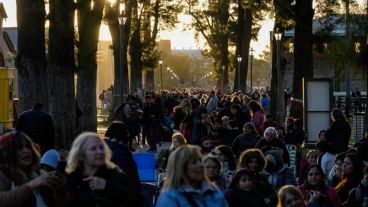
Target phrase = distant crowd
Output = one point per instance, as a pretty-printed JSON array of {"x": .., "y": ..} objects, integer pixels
[{"x": 227, "y": 150}]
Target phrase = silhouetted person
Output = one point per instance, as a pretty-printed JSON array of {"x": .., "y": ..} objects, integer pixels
[{"x": 38, "y": 124}]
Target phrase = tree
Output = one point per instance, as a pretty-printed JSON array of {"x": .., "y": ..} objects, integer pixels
[
  {"x": 156, "y": 14},
  {"x": 31, "y": 56},
  {"x": 210, "y": 19},
  {"x": 120, "y": 51},
  {"x": 303, "y": 52},
  {"x": 135, "y": 48},
  {"x": 89, "y": 13},
  {"x": 284, "y": 15},
  {"x": 60, "y": 68},
  {"x": 250, "y": 13}
]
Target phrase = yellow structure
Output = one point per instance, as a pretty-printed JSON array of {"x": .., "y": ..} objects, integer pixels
[{"x": 7, "y": 89}]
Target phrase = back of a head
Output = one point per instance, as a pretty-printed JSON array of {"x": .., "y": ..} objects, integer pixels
[
  {"x": 337, "y": 114},
  {"x": 118, "y": 130}
]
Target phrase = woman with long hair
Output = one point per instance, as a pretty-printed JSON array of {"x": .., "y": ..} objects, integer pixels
[
  {"x": 242, "y": 190},
  {"x": 227, "y": 159},
  {"x": 117, "y": 138},
  {"x": 257, "y": 114},
  {"x": 254, "y": 161},
  {"x": 93, "y": 180},
  {"x": 177, "y": 140},
  {"x": 315, "y": 189},
  {"x": 186, "y": 183},
  {"x": 20, "y": 183},
  {"x": 352, "y": 173},
  {"x": 290, "y": 196}
]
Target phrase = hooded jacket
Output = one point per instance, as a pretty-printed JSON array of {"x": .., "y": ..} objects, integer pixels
[{"x": 279, "y": 175}]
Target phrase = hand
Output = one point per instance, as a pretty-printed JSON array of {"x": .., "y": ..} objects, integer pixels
[
  {"x": 96, "y": 183},
  {"x": 47, "y": 179},
  {"x": 267, "y": 201}
]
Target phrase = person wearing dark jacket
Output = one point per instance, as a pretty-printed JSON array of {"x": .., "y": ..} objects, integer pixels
[
  {"x": 338, "y": 134},
  {"x": 152, "y": 117},
  {"x": 93, "y": 180},
  {"x": 117, "y": 136},
  {"x": 242, "y": 191},
  {"x": 248, "y": 139},
  {"x": 352, "y": 173},
  {"x": 358, "y": 195},
  {"x": 270, "y": 141},
  {"x": 254, "y": 161},
  {"x": 38, "y": 124}
]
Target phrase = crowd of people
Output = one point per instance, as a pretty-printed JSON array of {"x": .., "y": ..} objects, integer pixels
[{"x": 227, "y": 150}]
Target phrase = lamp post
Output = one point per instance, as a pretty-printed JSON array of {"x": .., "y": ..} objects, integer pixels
[
  {"x": 160, "y": 62},
  {"x": 251, "y": 69},
  {"x": 223, "y": 75},
  {"x": 169, "y": 71},
  {"x": 278, "y": 37},
  {"x": 239, "y": 58},
  {"x": 123, "y": 73}
]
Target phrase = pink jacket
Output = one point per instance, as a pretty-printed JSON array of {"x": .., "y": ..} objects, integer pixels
[{"x": 258, "y": 121}]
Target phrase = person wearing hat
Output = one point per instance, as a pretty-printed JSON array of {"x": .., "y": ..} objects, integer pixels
[
  {"x": 276, "y": 172},
  {"x": 49, "y": 161}
]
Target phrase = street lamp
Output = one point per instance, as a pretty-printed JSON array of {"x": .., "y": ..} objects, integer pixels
[
  {"x": 278, "y": 37},
  {"x": 123, "y": 71},
  {"x": 160, "y": 62},
  {"x": 223, "y": 74},
  {"x": 239, "y": 58},
  {"x": 251, "y": 69}
]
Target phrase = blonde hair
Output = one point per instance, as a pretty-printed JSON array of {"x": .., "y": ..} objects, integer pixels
[
  {"x": 176, "y": 166},
  {"x": 78, "y": 150},
  {"x": 180, "y": 137}
]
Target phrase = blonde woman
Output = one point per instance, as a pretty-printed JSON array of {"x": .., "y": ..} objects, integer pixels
[
  {"x": 93, "y": 180},
  {"x": 186, "y": 183},
  {"x": 177, "y": 140}
]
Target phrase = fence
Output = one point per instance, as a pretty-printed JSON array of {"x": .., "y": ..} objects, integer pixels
[{"x": 358, "y": 121}]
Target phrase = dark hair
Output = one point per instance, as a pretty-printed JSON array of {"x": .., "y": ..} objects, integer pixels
[
  {"x": 365, "y": 170},
  {"x": 321, "y": 186},
  {"x": 320, "y": 132},
  {"x": 118, "y": 130},
  {"x": 238, "y": 175},
  {"x": 248, "y": 154},
  {"x": 228, "y": 155},
  {"x": 337, "y": 114},
  {"x": 214, "y": 159},
  {"x": 10, "y": 144},
  {"x": 237, "y": 107},
  {"x": 357, "y": 164},
  {"x": 254, "y": 106}
]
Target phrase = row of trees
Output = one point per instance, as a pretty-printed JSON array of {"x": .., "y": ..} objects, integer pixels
[{"x": 47, "y": 68}]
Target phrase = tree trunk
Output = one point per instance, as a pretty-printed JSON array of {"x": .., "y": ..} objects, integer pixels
[
  {"x": 274, "y": 81},
  {"x": 149, "y": 79},
  {"x": 135, "y": 50},
  {"x": 246, "y": 37},
  {"x": 31, "y": 57},
  {"x": 89, "y": 21},
  {"x": 303, "y": 54},
  {"x": 61, "y": 71}
]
